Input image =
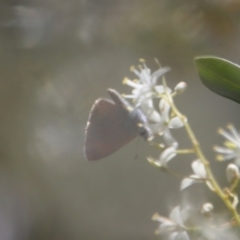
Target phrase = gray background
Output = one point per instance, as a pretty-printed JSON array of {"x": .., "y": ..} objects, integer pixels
[{"x": 56, "y": 58}]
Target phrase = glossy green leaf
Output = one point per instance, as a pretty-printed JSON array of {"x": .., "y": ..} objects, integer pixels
[{"x": 220, "y": 75}]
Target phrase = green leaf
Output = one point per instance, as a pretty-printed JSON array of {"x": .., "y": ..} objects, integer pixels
[{"x": 220, "y": 76}]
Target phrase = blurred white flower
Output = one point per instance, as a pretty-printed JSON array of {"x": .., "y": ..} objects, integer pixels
[
  {"x": 144, "y": 91},
  {"x": 232, "y": 145},
  {"x": 180, "y": 87},
  {"x": 167, "y": 155},
  {"x": 232, "y": 172},
  {"x": 173, "y": 227},
  {"x": 200, "y": 175},
  {"x": 162, "y": 121},
  {"x": 149, "y": 110},
  {"x": 146, "y": 83},
  {"x": 161, "y": 124},
  {"x": 209, "y": 232},
  {"x": 207, "y": 209}
]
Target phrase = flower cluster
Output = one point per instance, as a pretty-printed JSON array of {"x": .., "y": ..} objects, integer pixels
[
  {"x": 156, "y": 101},
  {"x": 172, "y": 227},
  {"x": 146, "y": 89}
]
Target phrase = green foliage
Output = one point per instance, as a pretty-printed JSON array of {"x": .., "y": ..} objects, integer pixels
[{"x": 220, "y": 76}]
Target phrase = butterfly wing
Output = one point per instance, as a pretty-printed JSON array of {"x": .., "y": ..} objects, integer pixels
[
  {"x": 135, "y": 113},
  {"x": 109, "y": 128}
]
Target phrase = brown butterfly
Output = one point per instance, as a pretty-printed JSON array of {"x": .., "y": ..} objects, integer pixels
[{"x": 111, "y": 125}]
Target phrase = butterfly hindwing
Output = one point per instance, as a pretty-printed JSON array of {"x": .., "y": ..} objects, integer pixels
[{"x": 109, "y": 128}]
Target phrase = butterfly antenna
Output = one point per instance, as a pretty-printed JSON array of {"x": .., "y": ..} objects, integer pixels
[{"x": 157, "y": 62}]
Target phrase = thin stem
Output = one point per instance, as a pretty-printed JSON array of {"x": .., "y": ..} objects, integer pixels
[
  {"x": 185, "y": 151},
  {"x": 234, "y": 184},
  {"x": 201, "y": 156},
  {"x": 170, "y": 172}
]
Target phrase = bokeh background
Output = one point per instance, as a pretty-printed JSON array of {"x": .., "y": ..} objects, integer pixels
[{"x": 56, "y": 58}]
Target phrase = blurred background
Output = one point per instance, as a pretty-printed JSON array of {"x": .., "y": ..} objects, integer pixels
[{"x": 56, "y": 58}]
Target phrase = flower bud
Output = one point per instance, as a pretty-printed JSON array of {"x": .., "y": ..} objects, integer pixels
[
  {"x": 156, "y": 163},
  {"x": 180, "y": 87},
  {"x": 207, "y": 209},
  {"x": 232, "y": 172}
]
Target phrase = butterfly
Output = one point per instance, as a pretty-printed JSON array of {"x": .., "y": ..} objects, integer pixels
[{"x": 112, "y": 124}]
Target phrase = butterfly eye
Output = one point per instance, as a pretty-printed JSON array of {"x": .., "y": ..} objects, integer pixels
[{"x": 143, "y": 133}]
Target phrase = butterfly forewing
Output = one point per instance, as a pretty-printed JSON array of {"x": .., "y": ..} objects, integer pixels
[{"x": 109, "y": 128}]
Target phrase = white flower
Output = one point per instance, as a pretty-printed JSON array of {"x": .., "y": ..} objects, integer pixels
[
  {"x": 209, "y": 232},
  {"x": 149, "y": 111},
  {"x": 232, "y": 172},
  {"x": 163, "y": 121},
  {"x": 207, "y": 209},
  {"x": 200, "y": 175},
  {"x": 232, "y": 145},
  {"x": 173, "y": 227},
  {"x": 167, "y": 155},
  {"x": 146, "y": 84},
  {"x": 180, "y": 87}
]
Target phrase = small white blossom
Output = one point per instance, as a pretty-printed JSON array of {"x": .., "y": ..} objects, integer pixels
[
  {"x": 200, "y": 175},
  {"x": 207, "y": 209},
  {"x": 149, "y": 110},
  {"x": 167, "y": 155},
  {"x": 232, "y": 145},
  {"x": 173, "y": 227},
  {"x": 163, "y": 120},
  {"x": 209, "y": 232},
  {"x": 146, "y": 84},
  {"x": 232, "y": 172},
  {"x": 180, "y": 87},
  {"x": 161, "y": 123}
]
